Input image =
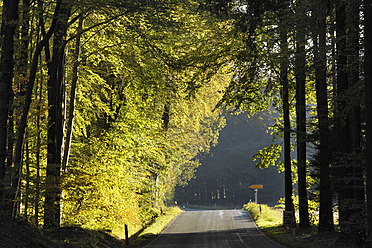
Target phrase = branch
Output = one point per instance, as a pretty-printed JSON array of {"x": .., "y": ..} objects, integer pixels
[{"x": 95, "y": 25}]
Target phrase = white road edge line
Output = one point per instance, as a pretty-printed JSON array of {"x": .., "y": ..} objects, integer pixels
[
  {"x": 149, "y": 244},
  {"x": 250, "y": 216}
]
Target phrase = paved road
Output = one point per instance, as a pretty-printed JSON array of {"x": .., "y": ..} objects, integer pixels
[{"x": 213, "y": 229}]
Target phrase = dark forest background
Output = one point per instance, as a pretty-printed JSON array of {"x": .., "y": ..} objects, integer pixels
[{"x": 227, "y": 172}]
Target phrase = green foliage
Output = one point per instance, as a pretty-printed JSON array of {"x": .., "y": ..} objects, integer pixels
[
  {"x": 124, "y": 165},
  {"x": 151, "y": 80},
  {"x": 268, "y": 156},
  {"x": 264, "y": 215},
  {"x": 150, "y": 75}
]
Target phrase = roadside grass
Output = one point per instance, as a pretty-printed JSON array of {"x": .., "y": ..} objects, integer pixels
[
  {"x": 265, "y": 216},
  {"x": 270, "y": 221},
  {"x": 155, "y": 228}
]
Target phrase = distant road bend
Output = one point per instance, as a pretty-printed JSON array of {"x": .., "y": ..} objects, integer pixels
[{"x": 213, "y": 229}]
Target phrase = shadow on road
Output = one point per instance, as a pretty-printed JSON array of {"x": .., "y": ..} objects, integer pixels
[{"x": 198, "y": 228}]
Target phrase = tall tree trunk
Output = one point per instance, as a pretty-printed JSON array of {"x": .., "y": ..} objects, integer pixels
[
  {"x": 320, "y": 50},
  {"x": 27, "y": 189},
  {"x": 300, "y": 73},
  {"x": 28, "y": 99},
  {"x": 8, "y": 27},
  {"x": 21, "y": 77},
  {"x": 39, "y": 99},
  {"x": 38, "y": 151},
  {"x": 352, "y": 20},
  {"x": 75, "y": 76},
  {"x": 24, "y": 47},
  {"x": 368, "y": 106},
  {"x": 21, "y": 80},
  {"x": 287, "y": 125},
  {"x": 344, "y": 172},
  {"x": 56, "y": 89},
  {"x": 71, "y": 115}
]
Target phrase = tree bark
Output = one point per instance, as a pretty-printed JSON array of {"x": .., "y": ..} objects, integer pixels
[
  {"x": 21, "y": 80},
  {"x": 27, "y": 188},
  {"x": 368, "y": 106},
  {"x": 352, "y": 22},
  {"x": 52, "y": 205},
  {"x": 300, "y": 74},
  {"x": 344, "y": 171},
  {"x": 28, "y": 99},
  {"x": 71, "y": 115},
  {"x": 166, "y": 116},
  {"x": 287, "y": 125},
  {"x": 8, "y": 28},
  {"x": 75, "y": 76},
  {"x": 320, "y": 59},
  {"x": 37, "y": 155},
  {"x": 39, "y": 98}
]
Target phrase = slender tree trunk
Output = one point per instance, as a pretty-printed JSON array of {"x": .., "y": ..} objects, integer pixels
[
  {"x": 71, "y": 116},
  {"x": 368, "y": 106},
  {"x": 38, "y": 150},
  {"x": 27, "y": 189},
  {"x": 287, "y": 125},
  {"x": 21, "y": 80},
  {"x": 24, "y": 45},
  {"x": 39, "y": 96},
  {"x": 8, "y": 27},
  {"x": 166, "y": 115},
  {"x": 352, "y": 21},
  {"x": 320, "y": 50},
  {"x": 52, "y": 206},
  {"x": 300, "y": 73},
  {"x": 23, "y": 54},
  {"x": 74, "y": 80},
  {"x": 28, "y": 98},
  {"x": 344, "y": 171}
]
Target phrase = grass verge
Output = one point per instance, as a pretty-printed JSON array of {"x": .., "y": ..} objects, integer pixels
[
  {"x": 156, "y": 227},
  {"x": 270, "y": 221}
]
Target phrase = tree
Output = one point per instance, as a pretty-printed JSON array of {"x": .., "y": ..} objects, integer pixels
[
  {"x": 142, "y": 115},
  {"x": 300, "y": 73},
  {"x": 320, "y": 61},
  {"x": 134, "y": 83},
  {"x": 8, "y": 29},
  {"x": 341, "y": 137},
  {"x": 20, "y": 88},
  {"x": 56, "y": 98},
  {"x": 368, "y": 103},
  {"x": 71, "y": 114},
  {"x": 354, "y": 90},
  {"x": 285, "y": 107}
]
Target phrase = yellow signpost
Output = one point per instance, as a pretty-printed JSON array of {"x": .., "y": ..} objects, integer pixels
[{"x": 256, "y": 187}]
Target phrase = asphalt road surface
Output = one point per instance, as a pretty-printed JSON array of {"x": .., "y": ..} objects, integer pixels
[{"x": 213, "y": 229}]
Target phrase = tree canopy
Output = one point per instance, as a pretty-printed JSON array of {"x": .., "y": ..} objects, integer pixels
[{"x": 107, "y": 106}]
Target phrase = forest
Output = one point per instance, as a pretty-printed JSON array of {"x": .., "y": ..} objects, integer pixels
[{"x": 107, "y": 106}]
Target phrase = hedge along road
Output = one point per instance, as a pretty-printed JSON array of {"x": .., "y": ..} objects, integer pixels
[{"x": 213, "y": 229}]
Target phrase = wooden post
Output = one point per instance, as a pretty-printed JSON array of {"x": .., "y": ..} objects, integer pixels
[{"x": 126, "y": 235}]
